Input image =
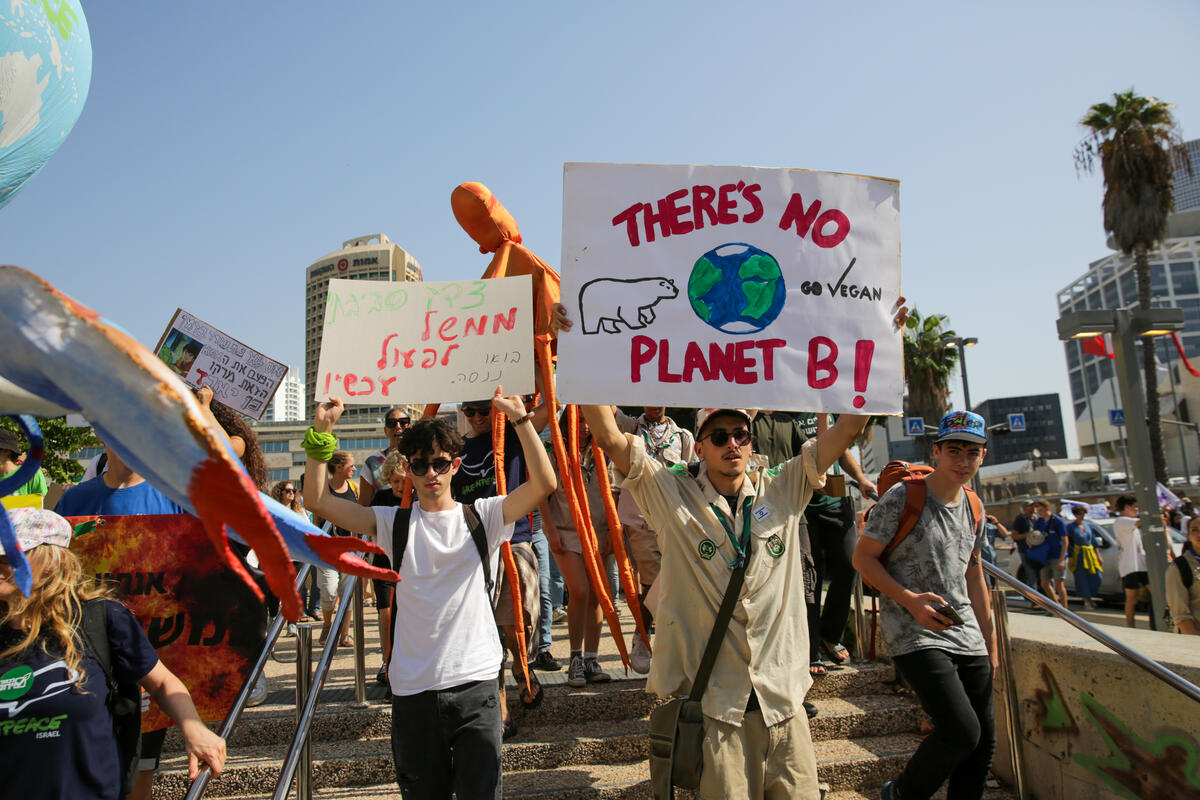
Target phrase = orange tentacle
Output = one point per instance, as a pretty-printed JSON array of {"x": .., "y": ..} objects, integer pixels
[
  {"x": 587, "y": 539},
  {"x": 510, "y": 564},
  {"x": 624, "y": 567}
]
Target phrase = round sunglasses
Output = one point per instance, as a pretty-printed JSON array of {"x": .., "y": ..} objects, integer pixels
[{"x": 420, "y": 466}]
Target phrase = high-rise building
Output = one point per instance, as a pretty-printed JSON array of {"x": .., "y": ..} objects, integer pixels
[
  {"x": 1112, "y": 283},
  {"x": 288, "y": 403},
  {"x": 373, "y": 257}
]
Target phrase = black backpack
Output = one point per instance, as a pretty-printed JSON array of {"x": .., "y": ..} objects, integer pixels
[
  {"x": 1185, "y": 571},
  {"x": 124, "y": 702}
]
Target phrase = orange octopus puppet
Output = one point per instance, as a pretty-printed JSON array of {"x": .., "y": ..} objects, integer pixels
[{"x": 488, "y": 222}]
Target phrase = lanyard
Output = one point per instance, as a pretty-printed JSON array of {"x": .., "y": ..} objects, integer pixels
[{"x": 742, "y": 548}]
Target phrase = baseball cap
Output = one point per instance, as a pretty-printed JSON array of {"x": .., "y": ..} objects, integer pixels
[
  {"x": 37, "y": 526},
  {"x": 10, "y": 441},
  {"x": 962, "y": 426},
  {"x": 706, "y": 414}
]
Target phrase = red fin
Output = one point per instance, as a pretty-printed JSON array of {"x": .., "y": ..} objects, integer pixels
[
  {"x": 339, "y": 551},
  {"x": 224, "y": 495}
]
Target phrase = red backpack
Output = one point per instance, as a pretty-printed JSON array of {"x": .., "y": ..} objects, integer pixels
[{"x": 913, "y": 476}]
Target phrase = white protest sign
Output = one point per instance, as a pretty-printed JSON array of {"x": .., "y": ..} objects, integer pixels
[
  {"x": 432, "y": 342},
  {"x": 239, "y": 376},
  {"x": 730, "y": 287}
]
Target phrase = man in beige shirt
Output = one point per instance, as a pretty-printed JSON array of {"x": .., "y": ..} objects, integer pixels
[{"x": 757, "y": 740}]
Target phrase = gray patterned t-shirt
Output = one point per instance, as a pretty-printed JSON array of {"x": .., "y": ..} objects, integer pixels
[{"x": 932, "y": 558}]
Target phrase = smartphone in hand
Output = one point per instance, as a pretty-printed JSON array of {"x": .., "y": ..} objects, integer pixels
[{"x": 949, "y": 613}]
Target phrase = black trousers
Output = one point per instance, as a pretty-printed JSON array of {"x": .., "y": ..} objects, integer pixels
[
  {"x": 448, "y": 741},
  {"x": 833, "y": 538},
  {"x": 956, "y": 692}
]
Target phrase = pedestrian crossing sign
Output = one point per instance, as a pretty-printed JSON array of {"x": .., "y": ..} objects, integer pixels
[
  {"x": 914, "y": 426},
  {"x": 1016, "y": 423},
  {"x": 1116, "y": 416}
]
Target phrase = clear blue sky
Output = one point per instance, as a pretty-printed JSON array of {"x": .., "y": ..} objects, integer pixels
[{"x": 224, "y": 147}]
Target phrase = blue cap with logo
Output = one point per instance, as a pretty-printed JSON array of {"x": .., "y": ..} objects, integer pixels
[{"x": 962, "y": 426}]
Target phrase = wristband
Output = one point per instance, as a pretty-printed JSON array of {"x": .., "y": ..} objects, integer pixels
[
  {"x": 319, "y": 446},
  {"x": 527, "y": 418}
]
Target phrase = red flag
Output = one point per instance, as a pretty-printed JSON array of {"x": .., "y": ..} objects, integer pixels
[
  {"x": 1179, "y": 346},
  {"x": 1096, "y": 346}
]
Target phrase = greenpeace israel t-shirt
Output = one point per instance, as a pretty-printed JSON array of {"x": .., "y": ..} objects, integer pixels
[
  {"x": 56, "y": 742},
  {"x": 445, "y": 631},
  {"x": 932, "y": 558},
  {"x": 1129, "y": 537}
]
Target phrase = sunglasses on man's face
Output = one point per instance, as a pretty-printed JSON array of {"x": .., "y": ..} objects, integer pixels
[
  {"x": 403, "y": 422},
  {"x": 419, "y": 467},
  {"x": 475, "y": 412},
  {"x": 720, "y": 437}
]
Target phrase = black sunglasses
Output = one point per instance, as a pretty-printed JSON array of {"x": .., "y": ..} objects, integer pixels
[
  {"x": 289, "y": 490},
  {"x": 403, "y": 422},
  {"x": 720, "y": 437},
  {"x": 420, "y": 466},
  {"x": 469, "y": 412}
]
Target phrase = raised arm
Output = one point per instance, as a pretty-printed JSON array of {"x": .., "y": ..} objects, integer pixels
[
  {"x": 616, "y": 445},
  {"x": 317, "y": 497},
  {"x": 541, "y": 481},
  {"x": 833, "y": 443}
]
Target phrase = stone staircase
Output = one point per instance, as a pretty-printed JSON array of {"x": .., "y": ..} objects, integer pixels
[{"x": 581, "y": 743}]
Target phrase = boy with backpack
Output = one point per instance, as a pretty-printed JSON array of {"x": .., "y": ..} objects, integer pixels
[
  {"x": 446, "y": 652},
  {"x": 921, "y": 549}
]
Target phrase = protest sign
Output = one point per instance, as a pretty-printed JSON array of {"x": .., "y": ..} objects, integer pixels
[
  {"x": 432, "y": 342},
  {"x": 205, "y": 623},
  {"x": 730, "y": 287},
  {"x": 239, "y": 376}
]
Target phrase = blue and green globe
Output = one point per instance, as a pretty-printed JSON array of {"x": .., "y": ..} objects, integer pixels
[{"x": 737, "y": 288}]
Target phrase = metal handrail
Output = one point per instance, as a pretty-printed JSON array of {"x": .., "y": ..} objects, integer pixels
[
  {"x": 239, "y": 703},
  {"x": 1148, "y": 664},
  {"x": 305, "y": 717}
]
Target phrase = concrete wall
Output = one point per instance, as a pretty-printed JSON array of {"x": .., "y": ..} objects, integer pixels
[{"x": 1093, "y": 725}]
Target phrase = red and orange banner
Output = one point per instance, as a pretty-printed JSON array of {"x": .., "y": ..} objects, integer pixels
[{"x": 203, "y": 620}]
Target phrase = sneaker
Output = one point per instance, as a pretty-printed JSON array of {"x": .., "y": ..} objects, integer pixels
[
  {"x": 560, "y": 615},
  {"x": 889, "y": 791},
  {"x": 593, "y": 673},
  {"x": 545, "y": 662},
  {"x": 639, "y": 658},
  {"x": 576, "y": 675},
  {"x": 258, "y": 695}
]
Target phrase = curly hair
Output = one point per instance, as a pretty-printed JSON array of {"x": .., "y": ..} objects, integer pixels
[
  {"x": 53, "y": 612},
  {"x": 395, "y": 461},
  {"x": 294, "y": 503},
  {"x": 234, "y": 424},
  {"x": 428, "y": 435}
]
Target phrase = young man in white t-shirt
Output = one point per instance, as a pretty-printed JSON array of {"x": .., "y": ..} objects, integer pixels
[
  {"x": 1134, "y": 576},
  {"x": 446, "y": 652}
]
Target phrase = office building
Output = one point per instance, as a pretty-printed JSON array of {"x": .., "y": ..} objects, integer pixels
[
  {"x": 1043, "y": 436},
  {"x": 373, "y": 257}
]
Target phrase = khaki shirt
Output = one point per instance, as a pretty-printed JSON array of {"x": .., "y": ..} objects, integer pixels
[{"x": 766, "y": 647}]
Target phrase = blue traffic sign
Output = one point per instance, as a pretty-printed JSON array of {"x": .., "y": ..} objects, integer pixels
[
  {"x": 1116, "y": 416},
  {"x": 1016, "y": 423},
  {"x": 914, "y": 426}
]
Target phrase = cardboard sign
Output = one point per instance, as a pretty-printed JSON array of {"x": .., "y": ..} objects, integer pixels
[
  {"x": 239, "y": 376},
  {"x": 386, "y": 343},
  {"x": 205, "y": 623},
  {"x": 730, "y": 287}
]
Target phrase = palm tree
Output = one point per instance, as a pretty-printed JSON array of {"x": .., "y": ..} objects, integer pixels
[
  {"x": 929, "y": 363},
  {"x": 1137, "y": 143}
]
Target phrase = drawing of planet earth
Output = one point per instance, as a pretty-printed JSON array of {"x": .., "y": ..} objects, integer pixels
[{"x": 737, "y": 288}]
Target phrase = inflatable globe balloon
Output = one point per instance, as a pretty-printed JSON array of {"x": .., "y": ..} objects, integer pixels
[
  {"x": 45, "y": 72},
  {"x": 737, "y": 288}
]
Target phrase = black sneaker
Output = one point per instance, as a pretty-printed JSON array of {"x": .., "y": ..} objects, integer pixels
[
  {"x": 545, "y": 662},
  {"x": 889, "y": 791}
]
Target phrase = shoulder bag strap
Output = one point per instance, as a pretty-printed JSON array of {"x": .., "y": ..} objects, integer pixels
[
  {"x": 400, "y": 536},
  {"x": 723, "y": 616}
]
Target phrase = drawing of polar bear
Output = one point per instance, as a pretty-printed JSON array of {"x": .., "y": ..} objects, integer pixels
[{"x": 605, "y": 301}]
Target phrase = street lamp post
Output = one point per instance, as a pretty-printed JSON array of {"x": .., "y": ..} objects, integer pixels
[{"x": 1126, "y": 326}]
